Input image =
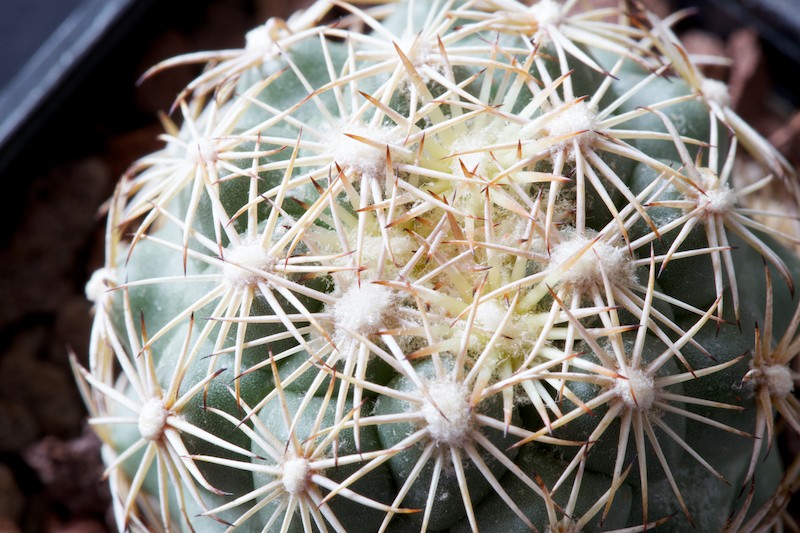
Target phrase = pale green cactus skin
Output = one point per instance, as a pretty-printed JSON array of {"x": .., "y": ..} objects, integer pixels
[{"x": 449, "y": 266}]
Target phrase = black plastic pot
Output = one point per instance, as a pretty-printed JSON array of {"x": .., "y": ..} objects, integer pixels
[{"x": 48, "y": 47}]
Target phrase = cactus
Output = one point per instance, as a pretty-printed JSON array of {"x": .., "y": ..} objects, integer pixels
[{"x": 449, "y": 265}]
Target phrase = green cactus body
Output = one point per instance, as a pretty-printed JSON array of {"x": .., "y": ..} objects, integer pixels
[{"x": 448, "y": 266}]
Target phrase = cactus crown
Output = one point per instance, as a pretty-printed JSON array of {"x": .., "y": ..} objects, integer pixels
[{"x": 429, "y": 265}]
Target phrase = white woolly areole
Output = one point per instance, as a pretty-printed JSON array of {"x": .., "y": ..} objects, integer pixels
[
  {"x": 258, "y": 39},
  {"x": 490, "y": 315},
  {"x": 240, "y": 259},
  {"x": 779, "y": 380},
  {"x": 97, "y": 287},
  {"x": 716, "y": 91},
  {"x": 585, "y": 271},
  {"x": 546, "y": 12},
  {"x": 201, "y": 151},
  {"x": 448, "y": 413},
  {"x": 717, "y": 197},
  {"x": 472, "y": 152},
  {"x": 295, "y": 475},
  {"x": 372, "y": 246},
  {"x": 572, "y": 118},
  {"x": 637, "y": 391},
  {"x": 357, "y": 155},
  {"x": 152, "y": 419},
  {"x": 262, "y": 39},
  {"x": 363, "y": 308},
  {"x": 719, "y": 200}
]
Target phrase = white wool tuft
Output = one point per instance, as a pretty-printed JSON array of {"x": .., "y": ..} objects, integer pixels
[
  {"x": 779, "y": 380},
  {"x": 448, "y": 413},
  {"x": 716, "y": 91},
  {"x": 546, "y": 12},
  {"x": 356, "y": 155},
  {"x": 637, "y": 391},
  {"x": 152, "y": 419},
  {"x": 262, "y": 38},
  {"x": 373, "y": 246},
  {"x": 717, "y": 197},
  {"x": 572, "y": 118},
  {"x": 98, "y": 285},
  {"x": 585, "y": 271},
  {"x": 490, "y": 315},
  {"x": 201, "y": 151},
  {"x": 473, "y": 152},
  {"x": 295, "y": 475},
  {"x": 720, "y": 201},
  {"x": 363, "y": 308},
  {"x": 241, "y": 260}
]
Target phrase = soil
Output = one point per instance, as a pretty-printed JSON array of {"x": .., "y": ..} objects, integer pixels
[{"x": 50, "y": 471}]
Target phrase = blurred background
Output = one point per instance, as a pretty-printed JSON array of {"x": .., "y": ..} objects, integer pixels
[{"x": 72, "y": 119}]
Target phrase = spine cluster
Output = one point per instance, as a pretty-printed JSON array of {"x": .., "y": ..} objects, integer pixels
[{"x": 449, "y": 265}]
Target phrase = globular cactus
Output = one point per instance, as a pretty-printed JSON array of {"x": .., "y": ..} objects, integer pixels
[{"x": 450, "y": 265}]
